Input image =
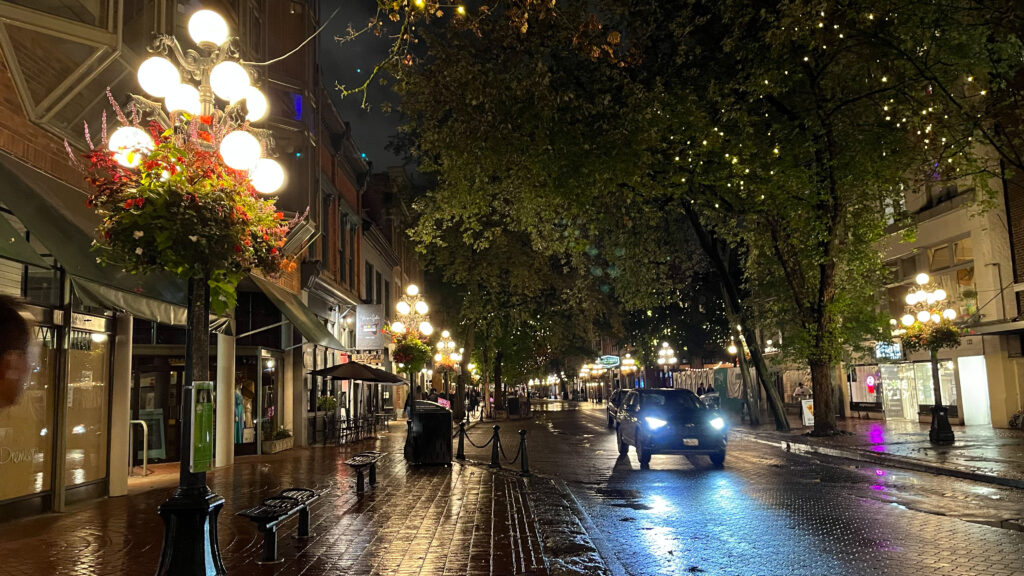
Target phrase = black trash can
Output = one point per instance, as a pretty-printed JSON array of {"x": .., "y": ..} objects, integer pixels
[{"x": 432, "y": 437}]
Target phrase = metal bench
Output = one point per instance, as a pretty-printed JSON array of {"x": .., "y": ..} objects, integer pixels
[
  {"x": 274, "y": 511},
  {"x": 360, "y": 462}
]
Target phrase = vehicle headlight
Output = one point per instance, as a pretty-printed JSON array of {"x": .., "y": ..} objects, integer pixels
[
  {"x": 654, "y": 423},
  {"x": 717, "y": 423}
]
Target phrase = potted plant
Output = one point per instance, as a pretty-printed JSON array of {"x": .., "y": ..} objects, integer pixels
[{"x": 281, "y": 440}]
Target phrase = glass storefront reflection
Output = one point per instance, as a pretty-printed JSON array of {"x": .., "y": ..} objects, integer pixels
[
  {"x": 88, "y": 399},
  {"x": 25, "y": 442}
]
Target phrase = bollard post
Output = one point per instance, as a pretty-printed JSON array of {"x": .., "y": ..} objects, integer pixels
[
  {"x": 494, "y": 448},
  {"x": 461, "y": 453},
  {"x": 525, "y": 466}
]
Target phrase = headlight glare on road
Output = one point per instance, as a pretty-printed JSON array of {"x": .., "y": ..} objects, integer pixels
[
  {"x": 717, "y": 423},
  {"x": 654, "y": 423}
]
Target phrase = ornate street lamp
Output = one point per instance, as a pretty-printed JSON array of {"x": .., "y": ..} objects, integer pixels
[
  {"x": 628, "y": 368},
  {"x": 211, "y": 70},
  {"x": 411, "y": 324},
  {"x": 447, "y": 359},
  {"x": 928, "y": 325},
  {"x": 666, "y": 359}
]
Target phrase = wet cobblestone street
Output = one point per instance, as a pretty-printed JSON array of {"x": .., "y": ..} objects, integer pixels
[{"x": 768, "y": 512}]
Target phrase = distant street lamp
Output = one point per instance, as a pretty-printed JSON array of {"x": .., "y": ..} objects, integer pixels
[
  {"x": 928, "y": 325},
  {"x": 447, "y": 359},
  {"x": 628, "y": 368},
  {"x": 666, "y": 359}
]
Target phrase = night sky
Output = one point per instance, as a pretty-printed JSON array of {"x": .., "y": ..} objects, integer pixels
[{"x": 350, "y": 64}]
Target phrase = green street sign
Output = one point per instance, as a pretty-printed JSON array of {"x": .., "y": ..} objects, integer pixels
[
  {"x": 201, "y": 396},
  {"x": 608, "y": 361}
]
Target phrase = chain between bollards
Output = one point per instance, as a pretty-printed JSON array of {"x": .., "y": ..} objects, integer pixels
[
  {"x": 524, "y": 465},
  {"x": 495, "y": 440},
  {"x": 461, "y": 453}
]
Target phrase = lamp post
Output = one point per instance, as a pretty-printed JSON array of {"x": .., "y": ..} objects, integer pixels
[
  {"x": 628, "y": 369},
  {"x": 447, "y": 359},
  {"x": 189, "y": 87},
  {"x": 412, "y": 321},
  {"x": 666, "y": 359},
  {"x": 928, "y": 325}
]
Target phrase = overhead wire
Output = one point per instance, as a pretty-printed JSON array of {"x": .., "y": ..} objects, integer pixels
[{"x": 304, "y": 42}]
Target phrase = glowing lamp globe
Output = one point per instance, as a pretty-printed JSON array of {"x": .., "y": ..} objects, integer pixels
[
  {"x": 437, "y": 357},
  {"x": 266, "y": 176},
  {"x": 451, "y": 345},
  {"x": 907, "y": 319},
  {"x": 421, "y": 307},
  {"x": 921, "y": 279},
  {"x": 440, "y": 345},
  {"x": 240, "y": 150},
  {"x": 923, "y": 316},
  {"x": 158, "y": 76},
  {"x": 208, "y": 27},
  {"x": 936, "y": 318},
  {"x": 130, "y": 145},
  {"x": 402, "y": 307},
  {"x": 732, "y": 349},
  {"x": 426, "y": 329},
  {"x": 911, "y": 298},
  {"x": 412, "y": 289},
  {"x": 661, "y": 360},
  {"x": 949, "y": 314},
  {"x": 940, "y": 295},
  {"x": 446, "y": 334},
  {"x": 229, "y": 81},
  {"x": 255, "y": 104},
  {"x": 672, "y": 360},
  {"x": 183, "y": 98},
  {"x": 398, "y": 327}
]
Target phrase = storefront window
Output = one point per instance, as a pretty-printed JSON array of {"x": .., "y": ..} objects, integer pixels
[
  {"x": 925, "y": 391},
  {"x": 25, "y": 428},
  {"x": 866, "y": 384},
  {"x": 88, "y": 398}
]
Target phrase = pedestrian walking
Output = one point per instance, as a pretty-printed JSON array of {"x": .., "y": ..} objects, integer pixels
[{"x": 15, "y": 336}]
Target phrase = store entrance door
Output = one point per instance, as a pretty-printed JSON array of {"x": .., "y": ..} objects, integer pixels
[
  {"x": 899, "y": 391},
  {"x": 247, "y": 404},
  {"x": 270, "y": 415}
]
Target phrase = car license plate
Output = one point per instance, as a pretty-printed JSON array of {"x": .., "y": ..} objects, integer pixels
[{"x": 690, "y": 442}]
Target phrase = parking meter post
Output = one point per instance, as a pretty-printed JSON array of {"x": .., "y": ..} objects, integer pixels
[
  {"x": 494, "y": 448},
  {"x": 461, "y": 453},
  {"x": 524, "y": 463}
]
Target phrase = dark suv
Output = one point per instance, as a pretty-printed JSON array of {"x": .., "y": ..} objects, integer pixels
[{"x": 667, "y": 421}]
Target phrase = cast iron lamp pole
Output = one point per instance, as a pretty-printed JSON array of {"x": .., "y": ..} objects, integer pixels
[
  {"x": 925, "y": 308},
  {"x": 666, "y": 359},
  {"x": 412, "y": 319}
]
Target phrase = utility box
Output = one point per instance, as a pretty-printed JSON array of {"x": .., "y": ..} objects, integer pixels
[
  {"x": 199, "y": 403},
  {"x": 432, "y": 434}
]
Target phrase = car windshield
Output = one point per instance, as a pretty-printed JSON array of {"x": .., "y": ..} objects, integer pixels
[{"x": 672, "y": 400}]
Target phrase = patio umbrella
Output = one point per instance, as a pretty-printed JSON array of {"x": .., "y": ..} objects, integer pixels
[{"x": 358, "y": 371}]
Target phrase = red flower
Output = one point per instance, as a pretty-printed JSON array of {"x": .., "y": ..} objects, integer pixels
[
  {"x": 139, "y": 202},
  {"x": 238, "y": 248},
  {"x": 266, "y": 238},
  {"x": 273, "y": 250},
  {"x": 206, "y": 119},
  {"x": 278, "y": 215},
  {"x": 206, "y": 136},
  {"x": 247, "y": 242},
  {"x": 128, "y": 204}
]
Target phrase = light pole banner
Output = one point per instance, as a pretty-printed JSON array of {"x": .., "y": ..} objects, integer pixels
[{"x": 369, "y": 323}]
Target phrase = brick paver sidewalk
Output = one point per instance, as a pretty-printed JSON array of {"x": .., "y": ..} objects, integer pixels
[{"x": 438, "y": 520}]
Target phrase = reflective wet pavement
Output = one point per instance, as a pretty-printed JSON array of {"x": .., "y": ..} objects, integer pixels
[
  {"x": 428, "y": 520},
  {"x": 769, "y": 512},
  {"x": 980, "y": 450}
]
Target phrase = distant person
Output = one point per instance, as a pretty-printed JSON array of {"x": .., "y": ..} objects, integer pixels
[
  {"x": 15, "y": 336},
  {"x": 802, "y": 392},
  {"x": 700, "y": 390}
]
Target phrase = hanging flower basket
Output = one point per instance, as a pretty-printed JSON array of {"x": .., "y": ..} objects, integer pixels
[{"x": 173, "y": 205}]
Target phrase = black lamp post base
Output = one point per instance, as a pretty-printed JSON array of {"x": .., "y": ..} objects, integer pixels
[
  {"x": 941, "y": 432},
  {"x": 190, "y": 545}
]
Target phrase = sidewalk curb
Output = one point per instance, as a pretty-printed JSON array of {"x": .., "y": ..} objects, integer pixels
[{"x": 806, "y": 448}]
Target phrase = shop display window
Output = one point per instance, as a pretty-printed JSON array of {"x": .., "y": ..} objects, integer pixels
[
  {"x": 26, "y": 441},
  {"x": 866, "y": 386},
  {"x": 925, "y": 391},
  {"x": 88, "y": 403}
]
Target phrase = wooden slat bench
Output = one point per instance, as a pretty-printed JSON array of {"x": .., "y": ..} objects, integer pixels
[
  {"x": 360, "y": 462},
  {"x": 274, "y": 511}
]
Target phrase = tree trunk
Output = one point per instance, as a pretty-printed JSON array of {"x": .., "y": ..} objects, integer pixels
[
  {"x": 499, "y": 387},
  {"x": 463, "y": 381},
  {"x": 824, "y": 410},
  {"x": 733, "y": 303}
]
